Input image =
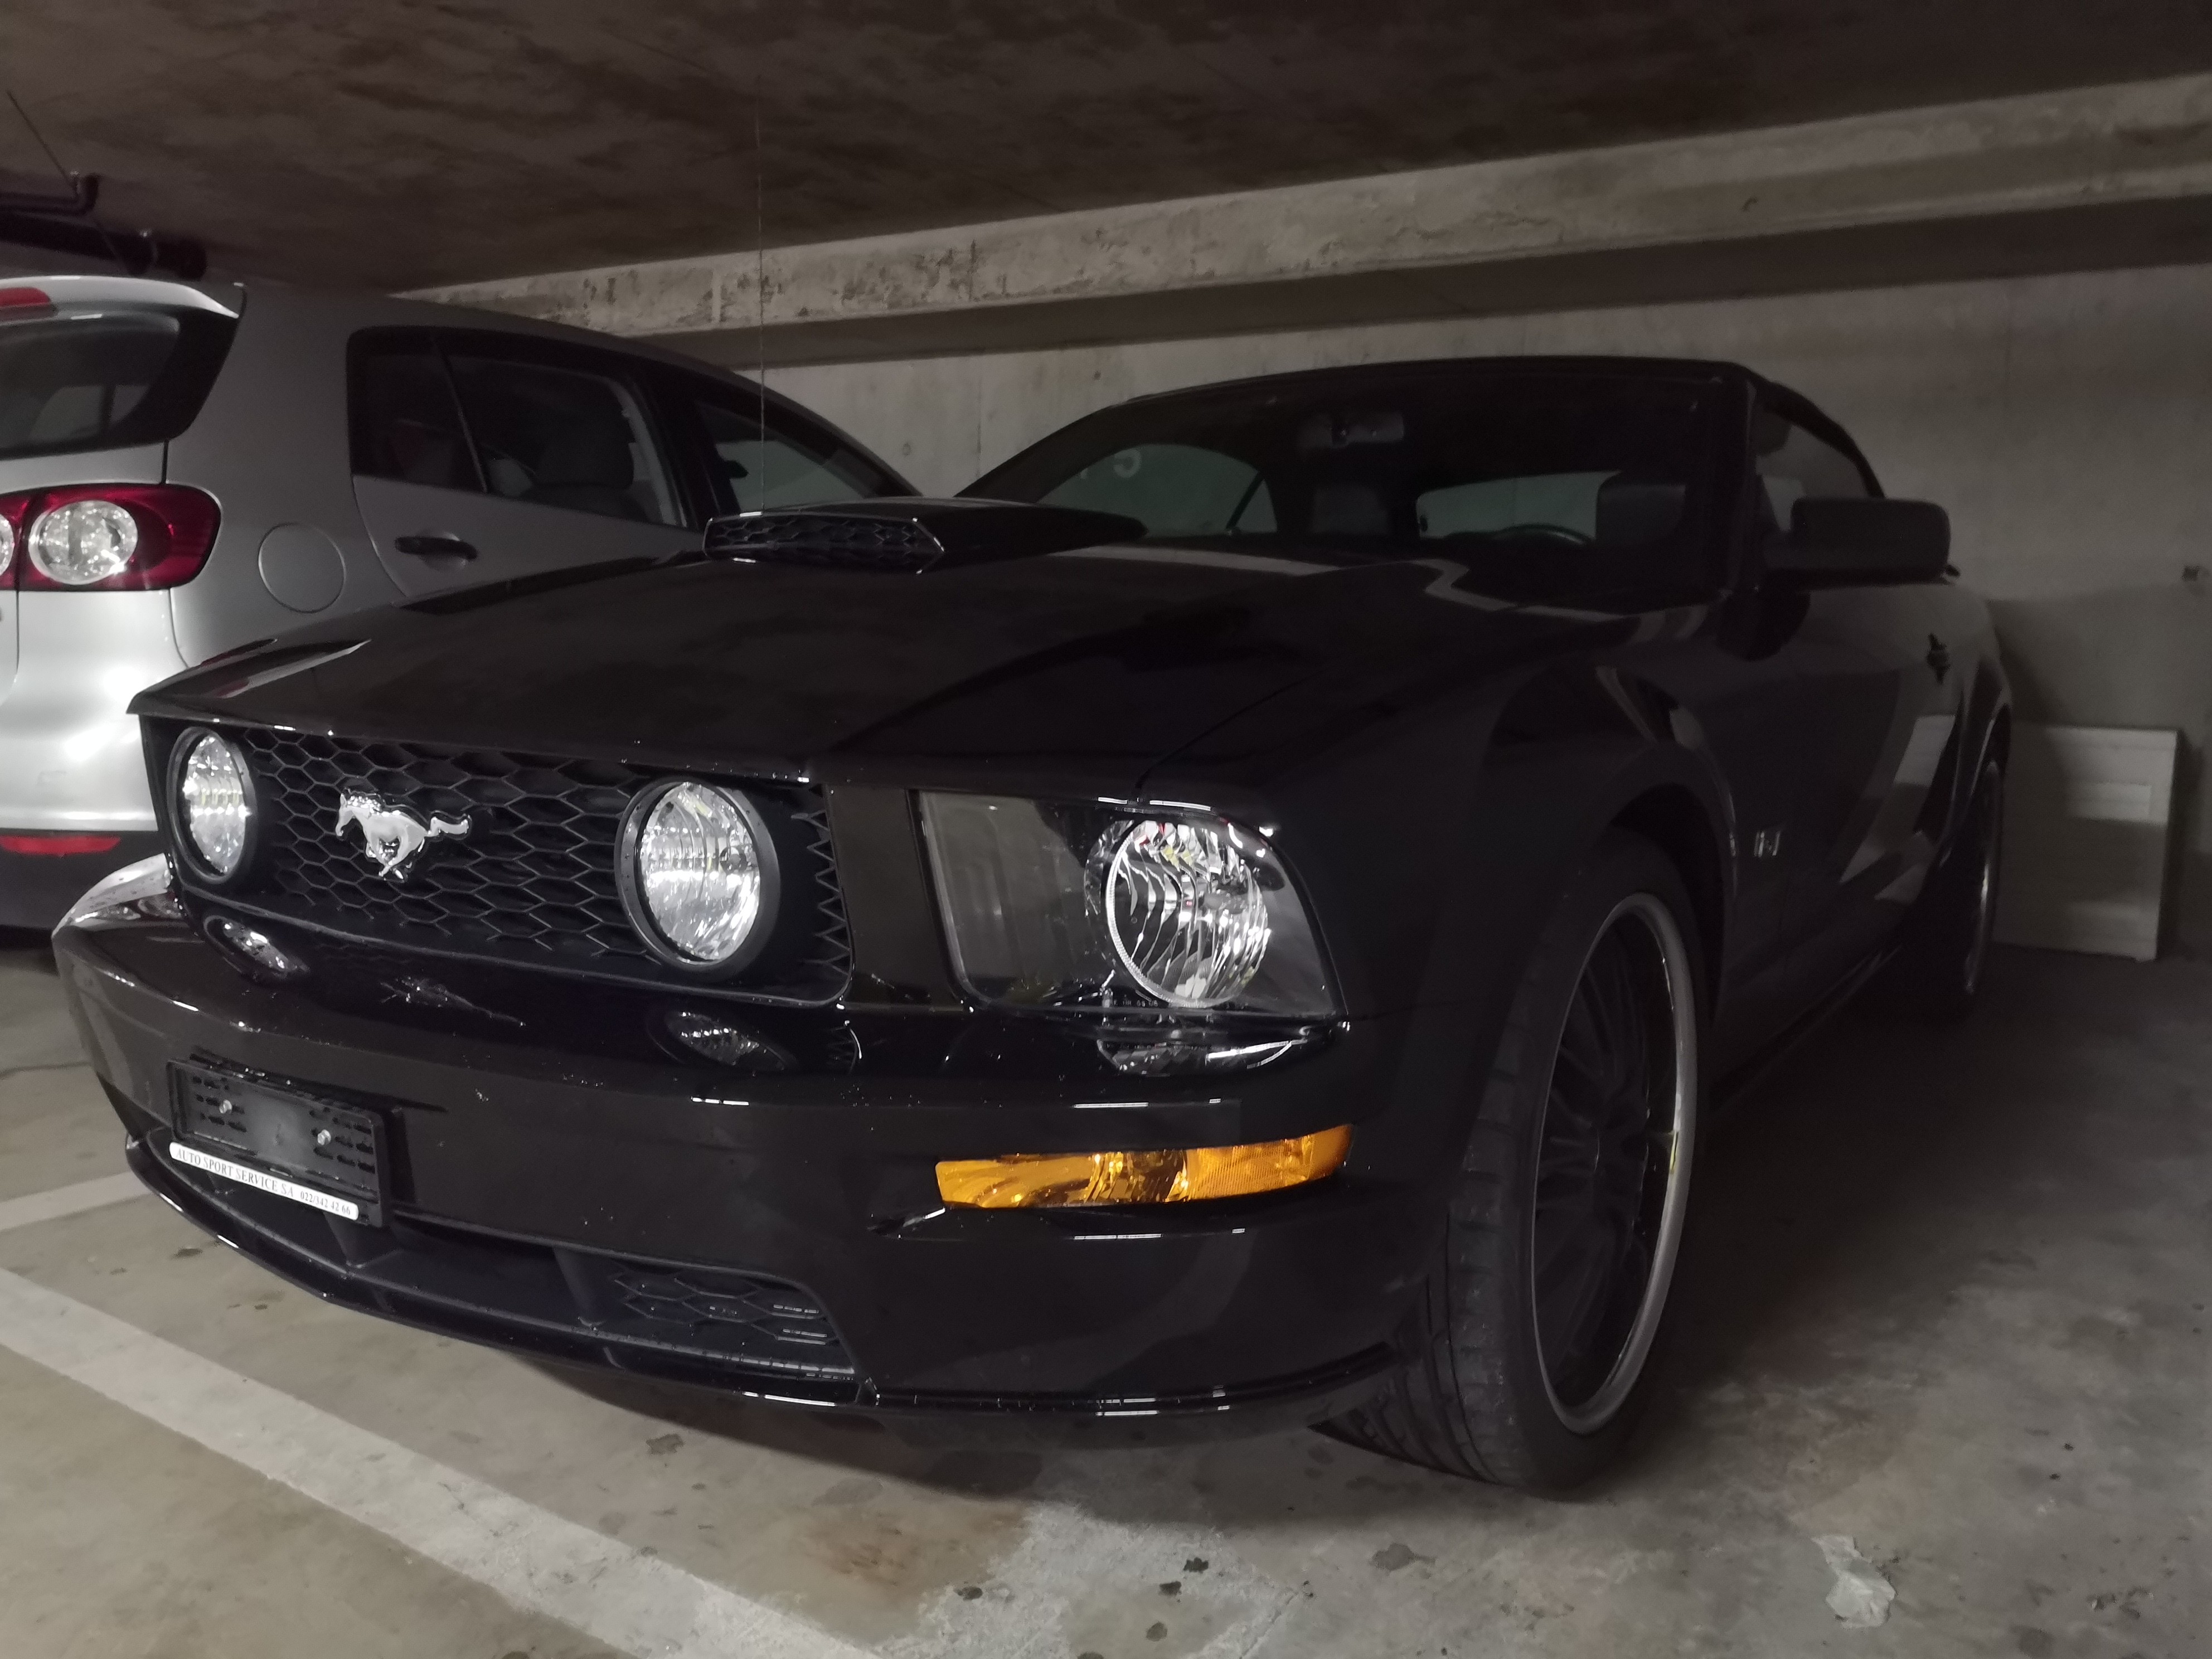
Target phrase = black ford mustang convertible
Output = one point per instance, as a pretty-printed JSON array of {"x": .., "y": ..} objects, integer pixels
[{"x": 1241, "y": 918}]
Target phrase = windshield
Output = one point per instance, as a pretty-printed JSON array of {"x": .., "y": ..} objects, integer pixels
[
  {"x": 102, "y": 379},
  {"x": 1560, "y": 482}
]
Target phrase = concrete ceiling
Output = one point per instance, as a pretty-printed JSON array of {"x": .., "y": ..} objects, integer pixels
[{"x": 419, "y": 142}]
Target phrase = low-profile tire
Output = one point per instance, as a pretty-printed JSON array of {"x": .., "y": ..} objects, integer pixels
[
  {"x": 1531, "y": 1351},
  {"x": 1936, "y": 974}
]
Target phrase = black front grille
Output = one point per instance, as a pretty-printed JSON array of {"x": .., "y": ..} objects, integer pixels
[{"x": 532, "y": 881}]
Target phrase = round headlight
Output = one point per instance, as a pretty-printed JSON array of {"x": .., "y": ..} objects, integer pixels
[
  {"x": 1186, "y": 911},
  {"x": 84, "y": 542},
  {"x": 214, "y": 802},
  {"x": 698, "y": 872}
]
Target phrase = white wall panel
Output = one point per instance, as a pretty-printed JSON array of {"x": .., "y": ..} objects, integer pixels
[{"x": 2088, "y": 818}]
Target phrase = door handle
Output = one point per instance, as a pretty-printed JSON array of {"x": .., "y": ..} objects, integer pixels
[{"x": 435, "y": 547}]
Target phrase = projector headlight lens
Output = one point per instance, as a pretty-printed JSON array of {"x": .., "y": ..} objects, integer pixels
[
  {"x": 698, "y": 874},
  {"x": 214, "y": 802},
  {"x": 1185, "y": 911},
  {"x": 1082, "y": 904},
  {"x": 84, "y": 542}
]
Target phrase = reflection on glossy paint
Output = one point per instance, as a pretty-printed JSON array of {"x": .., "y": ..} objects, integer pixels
[{"x": 1895, "y": 826}]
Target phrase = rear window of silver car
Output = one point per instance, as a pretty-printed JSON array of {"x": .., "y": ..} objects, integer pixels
[{"x": 104, "y": 379}]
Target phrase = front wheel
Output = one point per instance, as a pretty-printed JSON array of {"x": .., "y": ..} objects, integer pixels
[{"x": 1531, "y": 1351}]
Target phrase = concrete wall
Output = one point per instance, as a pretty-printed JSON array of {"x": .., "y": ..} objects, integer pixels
[
  {"x": 2102, "y": 177},
  {"x": 2065, "y": 421}
]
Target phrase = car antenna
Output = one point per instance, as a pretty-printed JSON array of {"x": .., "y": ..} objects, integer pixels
[
  {"x": 41, "y": 221},
  {"x": 83, "y": 187}
]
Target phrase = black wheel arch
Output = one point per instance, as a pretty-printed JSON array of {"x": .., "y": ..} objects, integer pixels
[
  {"x": 1668, "y": 795},
  {"x": 1987, "y": 738},
  {"x": 1537, "y": 816},
  {"x": 1989, "y": 715},
  {"x": 1673, "y": 819}
]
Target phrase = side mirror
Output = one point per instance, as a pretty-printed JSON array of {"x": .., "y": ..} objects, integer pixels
[{"x": 1841, "y": 541}]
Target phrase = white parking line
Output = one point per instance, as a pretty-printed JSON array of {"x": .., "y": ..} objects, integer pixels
[
  {"x": 632, "y": 1602},
  {"x": 59, "y": 1201}
]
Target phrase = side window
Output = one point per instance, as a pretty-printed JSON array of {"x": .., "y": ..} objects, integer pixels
[
  {"x": 561, "y": 434},
  {"x": 405, "y": 424},
  {"x": 1794, "y": 464},
  {"x": 788, "y": 465},
  {"x": 1174, "y": 489}
]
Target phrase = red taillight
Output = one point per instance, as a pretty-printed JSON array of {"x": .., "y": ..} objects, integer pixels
[
  {"x": 28, "y": 298},
  {"x": 175, "y": 531},
  {"x": 58, "y": 846}
]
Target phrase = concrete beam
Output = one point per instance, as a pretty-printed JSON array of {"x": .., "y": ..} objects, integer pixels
[{"x": 2089, "y": 178}]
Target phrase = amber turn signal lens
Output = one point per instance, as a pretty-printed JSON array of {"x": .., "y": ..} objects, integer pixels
[{"x": 1032, "y": 1180}]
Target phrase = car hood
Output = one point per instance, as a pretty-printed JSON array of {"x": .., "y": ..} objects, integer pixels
[{"x": 1095, "y": 663}]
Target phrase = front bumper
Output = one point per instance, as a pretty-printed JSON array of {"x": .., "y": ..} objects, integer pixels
[{"x": 559, "y": 1191}]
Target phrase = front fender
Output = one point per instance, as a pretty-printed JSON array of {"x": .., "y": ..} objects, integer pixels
[{"x": 1431, "y": 860}]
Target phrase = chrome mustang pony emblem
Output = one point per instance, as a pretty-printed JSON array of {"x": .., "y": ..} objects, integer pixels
[{"x": 392, "y": 835}]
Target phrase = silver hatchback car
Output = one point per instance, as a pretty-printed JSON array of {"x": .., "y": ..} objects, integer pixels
[{"x": 187, "y": 468}]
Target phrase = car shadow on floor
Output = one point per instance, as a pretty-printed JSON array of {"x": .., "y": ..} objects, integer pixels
[{"x": 1833, "y": 1158}]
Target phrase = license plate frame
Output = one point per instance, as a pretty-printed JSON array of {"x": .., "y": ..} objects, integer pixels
[{"x": 252, "y": 1131}]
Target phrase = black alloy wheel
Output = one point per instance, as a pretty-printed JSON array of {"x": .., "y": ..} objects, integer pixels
[
  {"x": 1532, "y": 1351},
  {"x": 1611, "y": 1162}
]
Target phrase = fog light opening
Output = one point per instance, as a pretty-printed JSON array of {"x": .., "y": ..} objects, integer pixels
[
  {"x": 1033, "y": 1181},
  {"x": 255, "y": 946},
  {"x": 1177, "y": 1052},
  {"x": 726, "y": 1043}
]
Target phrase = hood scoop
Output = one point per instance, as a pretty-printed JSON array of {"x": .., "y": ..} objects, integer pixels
[{"x": 906, "y": 536}]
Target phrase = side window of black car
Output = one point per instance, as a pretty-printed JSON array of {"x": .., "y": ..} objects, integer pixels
[{"x": 1794, "y": 464}]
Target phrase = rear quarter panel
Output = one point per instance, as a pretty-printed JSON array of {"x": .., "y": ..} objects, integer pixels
[
  {"x": 69, "y": 755},
  {"x": 270, "y": 445}
]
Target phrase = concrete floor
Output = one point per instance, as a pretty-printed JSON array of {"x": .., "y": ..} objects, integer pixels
[{"x": 1947, "y": 1297}]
